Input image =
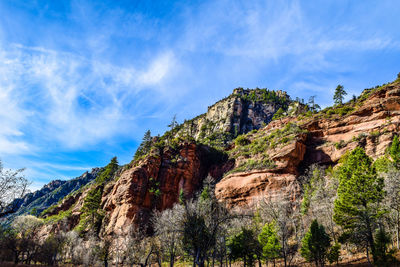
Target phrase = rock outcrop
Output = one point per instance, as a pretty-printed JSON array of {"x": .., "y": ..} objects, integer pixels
[
  {"x": 243, "y": 188},
  {"x": 241, "y": 112},
  {"x": 50, "y": 194},
  {"x": 156, "y": 183},
  {"x": 372, "y": 126},
  {"x": 265, "y": 162}
]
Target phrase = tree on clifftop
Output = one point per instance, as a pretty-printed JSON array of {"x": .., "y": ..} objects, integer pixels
[
  {"x": 314, "y": 107},
  {"x": 339, "y": 95},
  {"x": 173, "y": 123},
  {"x": 145, "y": 146}
]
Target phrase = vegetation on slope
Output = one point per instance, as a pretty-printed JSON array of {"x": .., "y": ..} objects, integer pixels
[
  {"x": 350, "y": 207},
  {"x": 355, "y": 204},
  {"x": 91, "y": 213},
  {"x": 252, "y": 150}
]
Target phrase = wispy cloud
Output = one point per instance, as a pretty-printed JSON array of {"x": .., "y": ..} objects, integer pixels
[
  {"x": 76, "y": 100},
  {"x": 93, "y": 77},
  {"x": 270, "y": 30}
]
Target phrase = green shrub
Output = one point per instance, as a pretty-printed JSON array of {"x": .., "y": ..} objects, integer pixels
[
  {"x": 242, "y": 140},
  {"x": 344, "y": 110},
  {"x": 278, "y": 114},
  {"x": 375, "y": 134},
  {"x": 58, "y": 217},
  {"x": 382, "y": 164},
  {"x": 284, "y": 140},
  {"x": 48, "y": 210},
  {"x": 339, "y": 145},
  {"x": 330, "y": 112}
]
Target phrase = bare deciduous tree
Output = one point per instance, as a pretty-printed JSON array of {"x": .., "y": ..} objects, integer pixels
[
  {"x": 285, "y": 213},
  {"x": 320, "y": 192},
  {"x": 203, "y": 220},
  {"x": 168, "y": 228},
  {"x": 139, "y": 248},
  {"x": 71, "y": 248},
  {"x": 13, "y": 185},
  {"x": 392, "y": 201}
]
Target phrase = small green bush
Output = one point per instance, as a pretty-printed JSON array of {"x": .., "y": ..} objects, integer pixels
[
  {"x": 345, "y": 110},
  {"x": 330, "y": 112},
  {"x": 242, "y": 140},
  {"x": 375, "y": 134},
  {"x": 339, "y": 145}
]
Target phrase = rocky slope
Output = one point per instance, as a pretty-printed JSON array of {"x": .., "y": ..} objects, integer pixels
[
  {"x": 50, "y": 194},
  {"x": 263, "y": 162},
  {"x": 156, "y": 183},
  {"x": 267, "y": 165},
  {"x": 240, "y": 112},
  {"x": 371, "y": 125}
]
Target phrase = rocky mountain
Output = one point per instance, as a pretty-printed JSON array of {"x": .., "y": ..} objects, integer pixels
[
  {"x": 242, "y": 111},
  {"x": 50, "y": 194},
  {"x": 370, "y": 122},
  {"x": 253, "y": 143}
]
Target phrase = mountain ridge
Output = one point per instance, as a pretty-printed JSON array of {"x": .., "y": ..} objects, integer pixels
[
  {"x": 264, "y": 161},
  {"x": 50, "y": 194}
]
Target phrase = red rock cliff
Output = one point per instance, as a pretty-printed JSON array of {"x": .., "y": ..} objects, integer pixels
[
  {"x": 155, "y": 184},
  {"x": 372, "y": 126},
  {"x": 156, "y": 181}
]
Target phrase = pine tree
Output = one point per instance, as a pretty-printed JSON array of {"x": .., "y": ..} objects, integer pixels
[
  {"x": 334, "y": 254},
  {"x": 395, "y": 150},
  {"x": 278, "y": 114},
  {"x": 359, "y": 193},
  {"x": 243, "y": 245},
  {"x": 268, "y": 239},
  {"x": 311, "y": 102},
  {"x": 315, "y": 244},
  {"x": 382, "y": 241},
  {"x": 108, "y": 172},
  {"x": 173, "y": 123},
  {"x": 90, "y": 215},
  {"x": 145, "y": 146},
  {"x": 313, "y": 106},
  {"x": 339, "y": 95}
]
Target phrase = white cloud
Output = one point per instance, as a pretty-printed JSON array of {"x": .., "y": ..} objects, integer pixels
[
  {"x": 271, "y": 30},
  {"x": 76, "y": 101},
  {"x": 8, "y": 146},
  {"x": 60, "y": 167},
  {"x": 11, "y": 114},
  {"x": 158, "y": 70}
]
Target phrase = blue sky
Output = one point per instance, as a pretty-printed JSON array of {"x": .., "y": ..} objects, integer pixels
[{"x": 81, "y": 81}]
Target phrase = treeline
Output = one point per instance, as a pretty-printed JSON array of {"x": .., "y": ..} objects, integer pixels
[{"x": 350, "y": 209}]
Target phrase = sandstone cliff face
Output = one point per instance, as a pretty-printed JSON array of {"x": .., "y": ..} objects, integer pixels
[
  {"x": 243, "y": 188},
  {"x": 371, "y": 126},
  {"x": 268, "y": 163},
  {"x": 155, "y": 183}
]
